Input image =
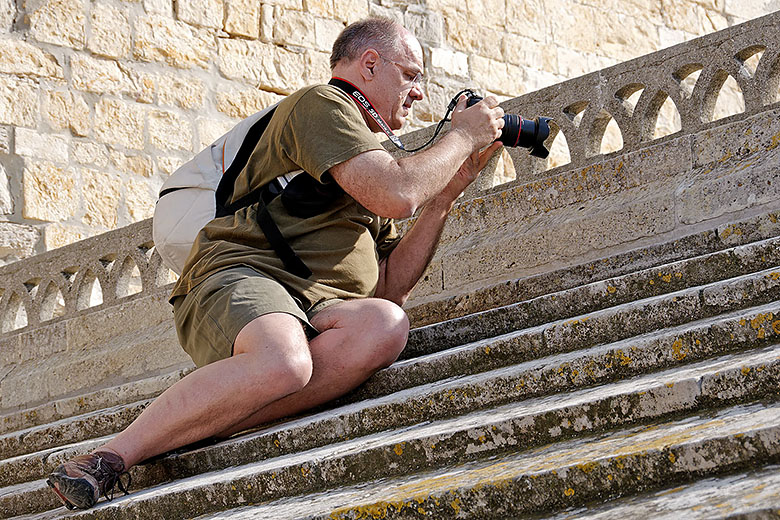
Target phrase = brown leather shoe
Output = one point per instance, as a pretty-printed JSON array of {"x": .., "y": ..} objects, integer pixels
[{"x": 81, "y": 480}]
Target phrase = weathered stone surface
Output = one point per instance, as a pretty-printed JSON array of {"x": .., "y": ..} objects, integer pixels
[
  {"x": 724, "y": 143},
  {"x": 244, "y": 103},
  {"x": 184, "y": 92},
  {"x": 89, "y": 153},
  {"x": 450, "y": 62},
  {"x": 692, "y": 18},
  {"x": 18, "y": 240},
  {"x": 349, "y": 11},
  {"x": 97, "y": 75},
  {"x": 24, "y": 59},
  {"x": 101, "y": 198},
  {"x": 7, "y": 15},
  {"x": 167, "y": 165},
  {"x": 163, "y": 7},
  {"x": 427, "y": 26},
  {"x": 119, "y": 124},
  {"x": 160, "y": 39},
  {"x": 140, "y": 197},
  {"x": 204, "y": 13},
  {"x": 729, "y": 188},
  {"x": 19, "y": 102},
  {"x": 294, "y": 28},
  {"x": 170, "y": 131},
  {"x": 242, "y": 18},
  {"x": 60, "y": 22},
  {"x": 58, "y": 235},
  {"x": 50, "y": 192},
  {"x": 6, "y": 199},
  {"x": 5, "y": 140},
  {"x": 268, "y": 66},
  {"x": 326, "y": 31},
  {"x": 210, "y": 129},
  {"x": 134, "y": 164},
  {"x": 67, "y": 110},
  {"x": 110, "y": 31},
  {"x": 30, "y": 143}
]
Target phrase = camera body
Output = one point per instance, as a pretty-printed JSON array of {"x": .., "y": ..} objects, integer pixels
[{"x": 521, "y": 132}]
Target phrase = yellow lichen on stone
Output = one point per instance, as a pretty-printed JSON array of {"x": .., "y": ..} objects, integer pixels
[
  {"x": 666, "y": 278},
  {"x": 745, "y": 371},
  {"x": 569, "y": 492},
  {"x": 487, "y": 350},
  {"x": 399, "y": 449},
  {"x": 774, "y": 275},
  {"x": 455, "y": 505},
  {"x": 610, "y": 289},
  {"x": 587, "y": 467},
  {"x": 677, "y": 350},
  {"x": 672, "y": 458}
]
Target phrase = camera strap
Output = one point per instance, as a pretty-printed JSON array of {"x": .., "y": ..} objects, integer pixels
[{"x": 355, "y": 93}]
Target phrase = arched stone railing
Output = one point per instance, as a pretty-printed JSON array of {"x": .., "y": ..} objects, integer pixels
[{"x": 103, "y": 270}]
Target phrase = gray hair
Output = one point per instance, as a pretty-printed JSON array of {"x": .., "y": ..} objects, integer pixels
[{"x": 379, "y": 33}]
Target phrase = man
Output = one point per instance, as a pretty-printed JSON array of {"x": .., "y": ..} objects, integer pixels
[{"x": 244, "y": 318}]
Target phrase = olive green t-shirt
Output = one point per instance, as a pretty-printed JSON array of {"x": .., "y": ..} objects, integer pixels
[{"x": 313, "y": 129}]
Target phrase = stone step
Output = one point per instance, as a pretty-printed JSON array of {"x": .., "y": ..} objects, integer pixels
[
  {"x": 563, "y": 474},
  {"x": 632, "y": 287},
  {"x": 470, "y": 300},
  {"x": 607, "y": 325},
  {"x": 621, "y": 321},
  {"x": 90, "y": 402},
  {"x": 520, "y": 425},
  {"x": 748, "y": 495}
]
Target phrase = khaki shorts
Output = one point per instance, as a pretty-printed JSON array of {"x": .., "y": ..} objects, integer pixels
[{"x": 209, "y": 318}]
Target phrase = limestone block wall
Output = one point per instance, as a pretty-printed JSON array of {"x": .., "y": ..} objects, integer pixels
[{"x": 101, "y": 100}]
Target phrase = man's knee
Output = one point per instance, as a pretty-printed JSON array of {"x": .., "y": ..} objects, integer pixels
[
  {"x": 275, "y": 349},
  {"x": 373, "y": 321}
]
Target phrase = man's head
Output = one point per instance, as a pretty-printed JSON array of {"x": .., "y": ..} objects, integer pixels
[{"x": 384, "y": 60}]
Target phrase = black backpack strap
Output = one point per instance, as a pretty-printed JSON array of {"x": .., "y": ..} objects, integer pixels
[
  {"x": 227, "y": 184},
  {"x": 289, "y": 258}
]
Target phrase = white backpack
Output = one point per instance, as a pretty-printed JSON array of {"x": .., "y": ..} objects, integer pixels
[{"x": 188, "y": 198}]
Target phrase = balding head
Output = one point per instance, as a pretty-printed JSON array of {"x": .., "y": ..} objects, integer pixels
[{"x": 383, "y": 34}]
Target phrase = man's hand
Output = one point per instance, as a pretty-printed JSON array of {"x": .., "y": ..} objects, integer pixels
[
  {"x": 467, "y": 173},
  {"x": 482, "y": 122}
]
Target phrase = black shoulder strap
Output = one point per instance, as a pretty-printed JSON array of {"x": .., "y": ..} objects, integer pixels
[{"x": 227, "y": 183}]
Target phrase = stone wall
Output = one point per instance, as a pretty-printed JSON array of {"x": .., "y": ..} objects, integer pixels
[{"x": 101, "y": 100}]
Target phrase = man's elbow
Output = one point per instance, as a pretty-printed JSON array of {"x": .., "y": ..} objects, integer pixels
[{"x": 400, "y": 206}]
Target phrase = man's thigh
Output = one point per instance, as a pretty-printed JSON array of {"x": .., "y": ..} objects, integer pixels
[{"x": 209, "y": 318}]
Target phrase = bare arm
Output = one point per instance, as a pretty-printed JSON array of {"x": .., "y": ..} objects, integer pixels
[
  {"x": 402, "y": 269},
  {"x": 396, "y": 189}
]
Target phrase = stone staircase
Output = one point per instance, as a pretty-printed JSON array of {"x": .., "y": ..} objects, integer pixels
[
  {"x": 638, "y": 382},
  {"x": 639, "y": 374}
]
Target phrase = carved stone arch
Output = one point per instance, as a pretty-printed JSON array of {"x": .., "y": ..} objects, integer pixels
[
  {"x": 15, "y": 310},
  {"x": 51, "y": 301},
  {"x": 597, "y": 125},
  {"x": 621, "y": 106},
  {"x": 127, "y": 277},
  {"x": 87, "y": 295},
  {"x": 560, "y": 150},
  {"x": 767, "y": 77},
  {"x": 648, "y": 110},
  {"x": 712, "y": 82}
]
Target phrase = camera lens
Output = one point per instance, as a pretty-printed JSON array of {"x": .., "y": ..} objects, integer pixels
[{"x": 522, "y": 132}]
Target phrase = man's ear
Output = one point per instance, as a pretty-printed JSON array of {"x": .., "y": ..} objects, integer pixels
[{"x": 368, "y": 62}]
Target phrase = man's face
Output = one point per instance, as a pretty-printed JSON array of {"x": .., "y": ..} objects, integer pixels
[{"x": 399, "y": 82}]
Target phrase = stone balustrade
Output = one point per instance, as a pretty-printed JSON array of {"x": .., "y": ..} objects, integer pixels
[{"x": 103, "y": 270}]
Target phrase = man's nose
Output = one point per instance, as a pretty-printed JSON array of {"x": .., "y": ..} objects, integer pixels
[{"x": 416, "y": 93}]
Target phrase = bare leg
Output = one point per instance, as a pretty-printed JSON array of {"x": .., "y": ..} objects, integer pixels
[
  {"x": 358, "y": 338},
  {"x": 271, "y": 360}
]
